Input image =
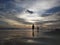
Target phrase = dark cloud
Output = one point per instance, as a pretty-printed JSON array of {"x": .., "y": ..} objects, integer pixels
[
  {"x": 10, "y": 8},
  {"x": 5, "y": 1},
  {"x": 31, "y": 12}
]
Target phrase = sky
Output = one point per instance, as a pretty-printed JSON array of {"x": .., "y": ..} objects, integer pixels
[{"x": 19, "y": 12}]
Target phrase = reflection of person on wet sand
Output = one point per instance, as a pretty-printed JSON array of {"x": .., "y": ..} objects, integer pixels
[{"x": 33, "y": 30}]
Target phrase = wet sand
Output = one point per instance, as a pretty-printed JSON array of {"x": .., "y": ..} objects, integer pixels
[{"x": 25, "y": 37}]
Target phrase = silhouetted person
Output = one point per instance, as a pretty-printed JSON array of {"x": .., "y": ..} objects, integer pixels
[
  {"x": 37, "y": 29},
  {"x": 33, "y": 27},
  {"x": 33, "y": 30}
]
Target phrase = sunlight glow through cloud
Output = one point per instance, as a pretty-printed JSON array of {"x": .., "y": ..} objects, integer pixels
[
  {"x": 12, "y": 22},
  {"x": 32, "y": 18},
  {"x": 38, "y": 6},
  {"x": 42, "y": 10}
]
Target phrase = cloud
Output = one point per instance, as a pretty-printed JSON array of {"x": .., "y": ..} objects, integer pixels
[
  {"x": 53, "y": 19},
  {"x": 51, "y": 11},
  {"x": 16, "y": 10}
]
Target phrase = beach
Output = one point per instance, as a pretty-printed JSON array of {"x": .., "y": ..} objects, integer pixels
[{"x": 26, "y": 37}]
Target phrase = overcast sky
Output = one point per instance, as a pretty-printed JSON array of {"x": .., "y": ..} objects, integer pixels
[{"x": 29, "y": 11}]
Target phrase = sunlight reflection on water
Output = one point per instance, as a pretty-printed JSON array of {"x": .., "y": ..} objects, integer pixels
[{"x": 30, "y": 41}]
